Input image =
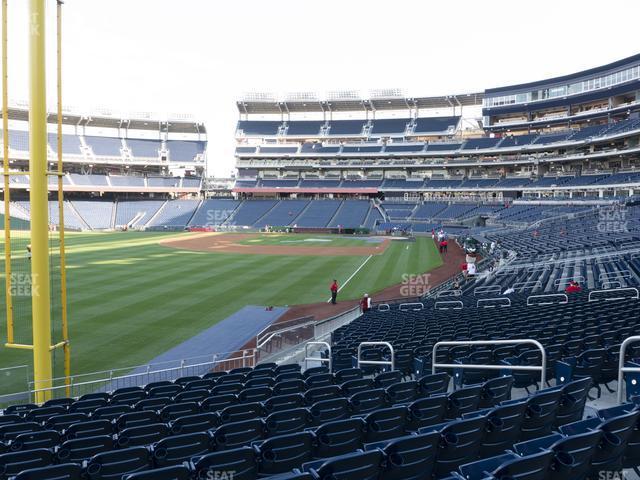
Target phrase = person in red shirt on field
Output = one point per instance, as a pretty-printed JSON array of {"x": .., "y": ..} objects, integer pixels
[
  {"x": 365, "y": 303},
  {"x": 573, "y": 287},
  {"x": 334, "y": 291}
]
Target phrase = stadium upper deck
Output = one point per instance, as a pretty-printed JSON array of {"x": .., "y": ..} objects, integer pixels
[
  {"x": 576, "y": 135},
  {"x": 105, "y": 152}
]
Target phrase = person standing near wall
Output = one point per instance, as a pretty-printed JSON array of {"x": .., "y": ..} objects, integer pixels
[{"x": 334, "y": 291}]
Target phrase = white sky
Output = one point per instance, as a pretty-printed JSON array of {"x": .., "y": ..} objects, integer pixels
[{"x": 199, "y": 56}]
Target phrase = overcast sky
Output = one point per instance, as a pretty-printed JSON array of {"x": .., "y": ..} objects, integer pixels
[{"x": 199, "y": 56}]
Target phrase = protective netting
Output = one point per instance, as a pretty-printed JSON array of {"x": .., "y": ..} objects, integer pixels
[{"x": 15, "y": 379}]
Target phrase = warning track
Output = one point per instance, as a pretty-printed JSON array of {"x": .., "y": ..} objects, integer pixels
[{"x": 230, "y": 243}]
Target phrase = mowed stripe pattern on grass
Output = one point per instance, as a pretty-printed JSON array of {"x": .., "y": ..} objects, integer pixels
[{"x": 131, "y": 299}]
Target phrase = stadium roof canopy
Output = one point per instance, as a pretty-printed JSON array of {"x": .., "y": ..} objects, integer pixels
[
  {"x": 348, "y": 101},
  {"x": 177, "y": 123}
]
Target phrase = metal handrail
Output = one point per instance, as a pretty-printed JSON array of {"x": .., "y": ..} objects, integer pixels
[
  {"x": 496, "y": 301},
  {"x": 542, "y": 368},
  {"x": 412, "y": 306},
  {"x": 449, "y": 293},
  {"x": 529, "y": 284},
  {"x": 564, "y": 280},
  {"x": 614, "y": 274},
  {"x": 487, "y": 289},
  {"x": 621, "y": 368},
  {"x": 563, "y": 296},
  {"x": 316, "y": 359},
  {"x": 377, "y": 362},
  {"x": 611, "y": 285},
  {"x": 455, "y": 305},
  {"x": 386, "y": 308},
  {"x": 628, "y": 289}
]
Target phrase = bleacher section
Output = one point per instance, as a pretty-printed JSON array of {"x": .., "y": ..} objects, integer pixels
[
  {"x": 283, "y": 214},
  {"x": 139, "y": 210},
  {"x": 248, "y": 213},
  {"x": 175, "y": 214},
  {"x": 144, "y": 148},
  {"x": 213, "y": 212},
  {"x": 96, "y": 214},
  {"x": 318, "y": 213},
  {"x": 363, "y": 422},
  {"x": 104, "y": 146},
  {"x": 351, "y": 214}
]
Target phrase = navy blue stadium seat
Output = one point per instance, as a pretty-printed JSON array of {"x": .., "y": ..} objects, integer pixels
[
  {"x": 460, "y": 443},
  {"x": 83, "y": 448},
  {"x": 385, "y": 379},
  {"x": 356, "y": 466},
  {"x": 286, "y": 387},
  {"x": 314, "y": 395},
  {"x": 255, "y": 394},
  {"x": 88, "y": 429},
  {"x": 61, "y": 422},
  {"x": 368, "y": 401},
  {"x": 142, "y": 435},
  {"x": 463, "y": 401},
  {"x": 510, "y": 466},
  {"x": 116, "y": 463},
  {"x": 14, "y": 462},
  {"x": 283, "y": 453},
  {"x": 241, "y": 461},
  {"x": 174, "y": 472},
  {"x": 237, "y": 434},
  {"x": 241, "y": 412},
  {"x": 135, "y": 419},
  {"x": 177, "y": 410},
  {"x": 33, "y": 440},
  {"x": 288, "y": 421},
  {"x": 403, "y": 392},
  {"x": 351, "y": 387},
  {"x": 385, "y": 424},
  {"x": 573, "y": 453},
  {"x": 434, "y": 384},
  {"x": 283, "y": 402},
  {"x": 199, "y": 422},
  {"x": 573, "y": 400},
  {"x": 339, "y": 437},
  {"x": 177, "y": 449},
  {"x": 426, "y": 412},
  {"x": 409, "y": 457},
  {"x": 330, "y": 410},
  {"x": 218, "y": 402},
  {"x": 65, "y": 471}
]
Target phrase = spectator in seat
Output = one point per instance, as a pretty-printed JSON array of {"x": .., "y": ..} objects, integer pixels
[
  {"x": 334, "y": 291},
  {"x": 573, "y": 287}
]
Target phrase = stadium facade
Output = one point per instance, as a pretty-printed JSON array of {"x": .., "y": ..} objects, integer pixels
[{"x": 574, "y": 136}]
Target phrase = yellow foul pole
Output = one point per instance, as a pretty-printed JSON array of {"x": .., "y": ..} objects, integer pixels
[
  {"x": 63, "y": 261},
  {"x": 5, "y": 164},
  {"x": 40, "y": 290}
]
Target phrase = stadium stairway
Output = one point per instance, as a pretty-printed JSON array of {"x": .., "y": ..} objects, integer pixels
[{"x": 336, "y": 214}]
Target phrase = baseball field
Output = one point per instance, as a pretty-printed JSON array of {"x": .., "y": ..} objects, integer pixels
[{"x": 135, "y": 295}]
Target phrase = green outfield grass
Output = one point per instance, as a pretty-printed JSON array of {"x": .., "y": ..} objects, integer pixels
[{"x": 131, "y": 299}]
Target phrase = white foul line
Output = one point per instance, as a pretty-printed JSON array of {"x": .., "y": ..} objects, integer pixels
[{"x": 353, "y": 275}]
